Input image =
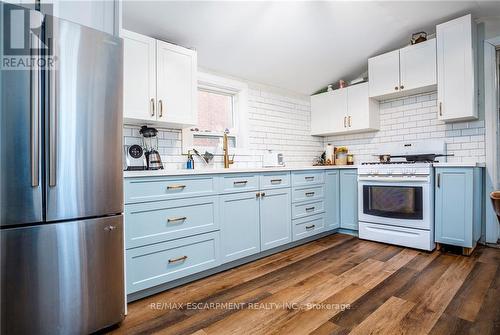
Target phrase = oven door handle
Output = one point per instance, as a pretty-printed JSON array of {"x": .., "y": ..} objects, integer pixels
[{"x": 394, "y": 180}]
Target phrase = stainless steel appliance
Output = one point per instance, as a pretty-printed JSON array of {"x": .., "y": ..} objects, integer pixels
[
  {"x": 134, "y": 158},
  {"x": 61, "y": 197},
  {"x": 396, "y": 198},
  {"x": 150, "y": 145}
]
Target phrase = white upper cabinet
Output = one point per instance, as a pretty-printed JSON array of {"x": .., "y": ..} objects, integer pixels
[
  {"x": 139, "y": 77},
  {"x": 456, "y": 70},
  {"x": 409, "y": 70},
  {"x": 418, "y": 66},
  {"x": 383, "y": 74},
  {"x": 176, "y": 83},
  {"x": 160, "y": 82},
  {"x": 347, "y": 110}
]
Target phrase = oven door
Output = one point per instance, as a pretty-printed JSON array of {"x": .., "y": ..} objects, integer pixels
[{"x": 404, "y": 202}]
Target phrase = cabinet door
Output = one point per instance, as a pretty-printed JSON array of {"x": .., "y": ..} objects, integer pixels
[
  {"x": 454, "y": 206},
  {"x": 455, "y": 68},
  {"x": 332, "y": 200},
  {"x": 418, "y": 66},
  {"x": 383, "y": 74},
  {"x": 328, "y": 112},
  {"x": 349, "y": 199},
  {"x": 97, "y": 14},
  {"x": 275, "y": 218},
  {"x": 176, "y": 84},
  {"x": 139, "y": 77},
  {"x": 240, "y": 234},
  {"x": 358, "y": 107}
]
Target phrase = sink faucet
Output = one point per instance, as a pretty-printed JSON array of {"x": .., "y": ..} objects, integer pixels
[{"x": 225, "y": 147}]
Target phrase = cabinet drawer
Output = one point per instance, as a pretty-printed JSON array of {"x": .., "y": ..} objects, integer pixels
[
  {"x": 166, "y": 220},
  {"x": 274, "y": 180},
  {"x": 308, "y": 226},
  {"x": 162, "y": 188},
  {"x": 306, "y": 209},
  {"x": 305, "y": 178},
  {"x": 163, "y": 262},
  {"x": 239, "y": 183},
  {"x": 308, "y": 193}
]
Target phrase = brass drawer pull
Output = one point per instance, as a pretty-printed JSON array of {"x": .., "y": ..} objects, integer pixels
[
  {"x": 241, "y": 182},
  {"x": 310, "y": 227},
  {"x": 308, "y": 209},
  {"x": 276, "y": 181},
  {"x": 309, "y": 178},
  {"x": 176, "y": 187},
  {"x": 181, "y": 218},
  {"x": 175, "y": 260},
  {"x": 309, "y": 194}
]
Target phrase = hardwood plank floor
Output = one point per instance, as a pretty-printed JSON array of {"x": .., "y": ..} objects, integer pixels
[{"x": 335, "y": 285}]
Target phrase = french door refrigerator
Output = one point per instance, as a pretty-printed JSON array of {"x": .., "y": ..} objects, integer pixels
[{"x": 61, "y": 197}]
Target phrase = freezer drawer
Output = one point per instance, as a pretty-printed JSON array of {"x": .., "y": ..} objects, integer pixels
[
  {"x": 160, "y": 263},
  {"x": 64, "y": 278}
]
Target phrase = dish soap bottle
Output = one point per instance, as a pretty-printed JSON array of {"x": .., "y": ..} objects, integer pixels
[{"x": 190, "y": 161}]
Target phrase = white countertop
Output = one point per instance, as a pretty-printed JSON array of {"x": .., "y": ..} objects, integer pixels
[
  {"x": 159, "y": 173},
  {"x": 458, "y": 164}
]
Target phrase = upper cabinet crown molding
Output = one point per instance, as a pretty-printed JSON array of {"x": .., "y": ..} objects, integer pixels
[
  {"x": 159, "y": 82},
  {"x": 409, "y": 70},
  {"x": 346, "y": 110},
  {"x": 457, "y": 87}
]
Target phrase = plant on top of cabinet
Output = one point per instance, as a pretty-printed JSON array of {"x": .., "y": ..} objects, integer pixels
[
  {"x": 346, "y": 110},
  {"x": 457, "y": 92},
  {"x": 159, "y": 82},
  {"x": 409, "y": 70}
]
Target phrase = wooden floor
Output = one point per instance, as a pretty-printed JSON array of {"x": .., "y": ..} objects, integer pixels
[{"x": 355, "y": 286}]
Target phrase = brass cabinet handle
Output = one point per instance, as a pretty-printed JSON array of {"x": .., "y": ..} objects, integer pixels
[
  {"x": 276, "y": 181},
  {"x": 263, "y": 194},
  {"x": 180, "y": 218},
  {"x": 439, "y": 180},
  {"x": 179, "y": 259},
  {"x": 349, "y": 118},
  {"x": 440, "y": 109},
  {"x": 401, "y": 87},
  {"x": 309, "y": 194},
  {"x": 176, "y": 187},
  {"x": 160, "y": 108},
  {"x": 309, "y": 178},
  {"x": 257, "y": 195},
  {"x": 152, "y": 106},
  {"x": 345, "y": 124},
  {"x": 308, "y": 209},
  {"x": 310, "y": 227},
  {"x": 241, "y": 182},
  {"x": 396, "y": 88}
]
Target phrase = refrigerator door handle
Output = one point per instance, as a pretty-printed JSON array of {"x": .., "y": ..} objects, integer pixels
[
  {"x": 52, "y": 123},
  {"x": 35, "y": 118}
]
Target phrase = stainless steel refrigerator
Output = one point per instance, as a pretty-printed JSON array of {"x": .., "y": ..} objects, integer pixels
[{"x": 61, "y": 196}]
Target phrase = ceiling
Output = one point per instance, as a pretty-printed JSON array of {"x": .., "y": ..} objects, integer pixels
[{"x": 298, "y": 46}]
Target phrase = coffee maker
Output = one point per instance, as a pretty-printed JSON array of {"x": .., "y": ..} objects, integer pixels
[{"x": 150, "y": 146}]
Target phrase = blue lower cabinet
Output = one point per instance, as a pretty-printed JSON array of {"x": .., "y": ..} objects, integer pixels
[
  {"x": 332, "y": 199},
  {"x": 240, "y": 233},
  {"x": 163, "y": 262},
  {"x": 275, "y": 218},
  {"x": 458, "y": 206},
  {"x": 308, "y": 226},
  {"x": 349, "y": 199}
]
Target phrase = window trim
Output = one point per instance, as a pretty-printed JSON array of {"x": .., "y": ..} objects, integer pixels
[{"x": 239, "y": 91}]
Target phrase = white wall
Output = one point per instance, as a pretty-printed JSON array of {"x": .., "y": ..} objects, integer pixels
[
  {"x": 415, "y": 118},
  {"x": 278, "y": 120}
]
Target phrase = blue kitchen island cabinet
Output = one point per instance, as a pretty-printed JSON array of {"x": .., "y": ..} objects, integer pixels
[
  {"x": 458, "y": 194},
  {"x": 332, "y": 200},
  {"x": 349, "y": 199}
]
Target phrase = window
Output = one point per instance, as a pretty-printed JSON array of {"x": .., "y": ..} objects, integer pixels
[{"x": 221, "y": 108}]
